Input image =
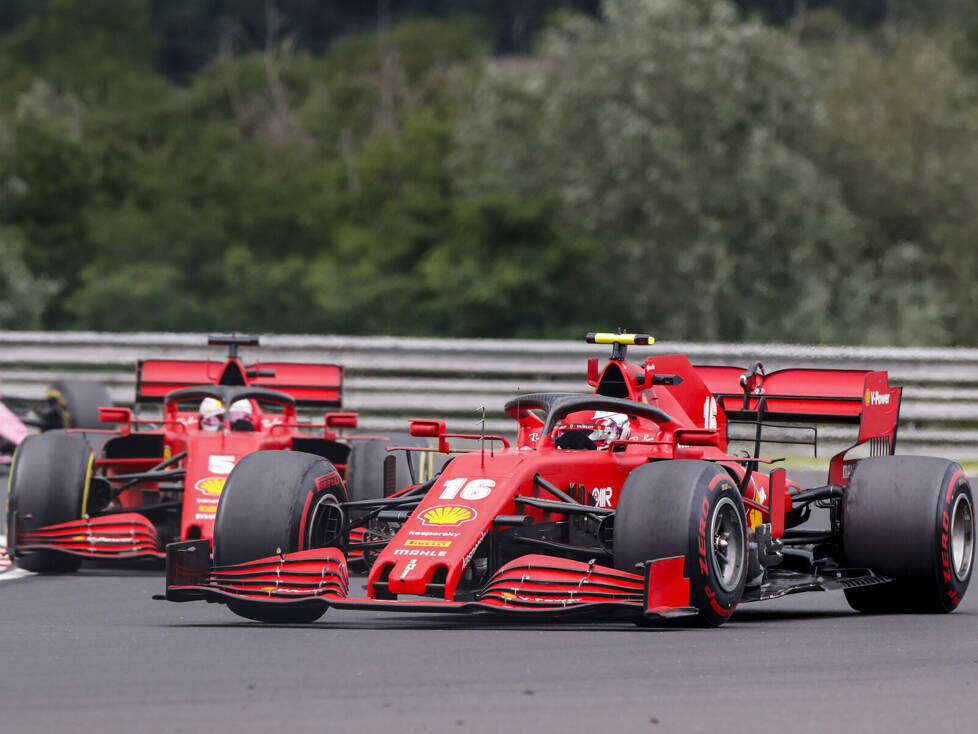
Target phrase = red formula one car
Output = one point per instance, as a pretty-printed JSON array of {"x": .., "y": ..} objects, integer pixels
[
  {"x": 624, "y": 501},
  {"x": 155, "y": 481}
]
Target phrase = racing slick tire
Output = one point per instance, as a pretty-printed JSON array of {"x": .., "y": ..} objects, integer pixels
[
  {"x": 48, "y": 485},
  {"x": 365, "y": 468},
  {"x": 910, "y": 518},
  {"x": 690, "y": 509},
  {"x": 75, "y": 404},
  {"x": 263, "y": 510}
]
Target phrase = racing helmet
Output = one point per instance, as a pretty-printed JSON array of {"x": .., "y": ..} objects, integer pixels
[
  {"x": 596, "y": 433},
  {"x": 609, "y": 427},
  {"x": 211, "y": 414},
  {"x": 240, "y": 415}
]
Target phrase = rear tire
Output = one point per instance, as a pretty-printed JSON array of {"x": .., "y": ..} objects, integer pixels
[
  {"x": 690, "y": 509},
  {"x": 49, "y": 482},
  {"x": 263, "y": 511},
  {"x": 365, "y": 470},
  {"x": 911, "y": 518},
  {"x": 75, "y": 404}
]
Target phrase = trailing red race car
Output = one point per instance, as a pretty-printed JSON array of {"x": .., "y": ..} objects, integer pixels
[
  {"x": 624, "y": 501},
  {"x": 155, "y": 481}
]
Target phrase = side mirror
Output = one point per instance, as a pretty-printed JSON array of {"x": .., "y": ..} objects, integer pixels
[
  {"x": 110, "y": 414},
  {"x": 698, "y": 437},
  {"x": 425, "y": 428},
  {"x": 341, "y": 420}
]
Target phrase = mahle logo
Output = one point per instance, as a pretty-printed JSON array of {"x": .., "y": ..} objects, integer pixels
[{"x": 447, "y": 515}]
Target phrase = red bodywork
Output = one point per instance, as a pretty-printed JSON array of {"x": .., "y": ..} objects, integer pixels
[
  {"x": 166, "y": 476},
  {"x": 455, "y": 552}
]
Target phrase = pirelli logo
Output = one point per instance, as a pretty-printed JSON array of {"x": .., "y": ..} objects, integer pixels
[{"x": 418, "y": 543}]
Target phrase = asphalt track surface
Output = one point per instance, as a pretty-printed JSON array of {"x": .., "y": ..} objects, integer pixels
[{"x": 92, "y": 651}]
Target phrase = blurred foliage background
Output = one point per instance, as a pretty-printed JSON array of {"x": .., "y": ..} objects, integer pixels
[{"x": 769, "y": 170}]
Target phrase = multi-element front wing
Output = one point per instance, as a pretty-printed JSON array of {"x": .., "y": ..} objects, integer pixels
[
  {"x": 126, "y": 535},
  {"x": 534, "y": 585}
]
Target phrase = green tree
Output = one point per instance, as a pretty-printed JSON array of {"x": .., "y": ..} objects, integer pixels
[
  {"x": 900, "y": 118},
  {"x": 46, "y": 179},
  {"x": 23, "y": 296},
  {"x": 101, "y": 50},
  {"x": 679, "y": 139}
]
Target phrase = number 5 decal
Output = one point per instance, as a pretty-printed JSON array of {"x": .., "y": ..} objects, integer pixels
[
  {"x": 219, "y": 464},
  {"x": 477, "y": 489}
]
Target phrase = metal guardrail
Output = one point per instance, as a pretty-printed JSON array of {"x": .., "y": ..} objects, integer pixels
[{"x": 391, "y": 379}]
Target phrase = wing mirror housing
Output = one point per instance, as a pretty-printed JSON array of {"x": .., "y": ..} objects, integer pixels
[
  {"x": 341, "y": 420},
  {"x": 426, "y": 428},
  {"x": 111, "y": 414},
  {"x": 698, "y": 437}
]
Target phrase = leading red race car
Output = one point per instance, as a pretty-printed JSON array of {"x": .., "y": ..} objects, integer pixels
[
  {"x": 624, "y": 501},
  {"x": 124, "y": 494}
]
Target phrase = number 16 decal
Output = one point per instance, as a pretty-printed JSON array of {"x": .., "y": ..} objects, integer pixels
[{"x": 477, "y": 489}]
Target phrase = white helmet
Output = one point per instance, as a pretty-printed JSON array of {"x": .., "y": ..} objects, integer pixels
[
  {"x": 240, "y": 410},
  {"x": 609, "y": 427},
  {"x": 211, "y": 414}
]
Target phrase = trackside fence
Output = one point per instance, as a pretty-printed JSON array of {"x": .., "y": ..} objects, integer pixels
[{"x": 391, "y": 379}]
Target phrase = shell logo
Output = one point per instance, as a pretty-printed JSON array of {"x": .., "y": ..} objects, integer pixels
[
  {"x": 446, "y": 515},
  {"x": 211, "y": 485}
]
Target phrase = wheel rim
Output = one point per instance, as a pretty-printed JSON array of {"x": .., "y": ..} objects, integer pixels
[
  {"x": 962, "y": 536},
  {"x": 727, "y": 534},
  {"x": 317, "y": 523}
]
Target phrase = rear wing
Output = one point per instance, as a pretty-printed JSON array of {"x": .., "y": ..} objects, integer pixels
[
  {"x": 809, "y": 395},
  {"x": 312, "y": 385},
  {"x": 855, "y": 397}
]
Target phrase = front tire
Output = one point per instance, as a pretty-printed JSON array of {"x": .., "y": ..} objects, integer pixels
[
  {"x": 265, "y": 509},
  {"x": 690, "y": 509},
  {"x": 49, "y": 483},
  {"x": 911, "y": 518}
]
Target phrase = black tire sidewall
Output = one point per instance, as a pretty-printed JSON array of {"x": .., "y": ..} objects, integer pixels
[
  {"x": 266, "y": 502},
  {"x": 950, "y": 589},
  {"x": 715, "y": 603},
  {"x": 80, "y": 401},
  {"x": 893, "y": 522},
  {"x": 49, "y": 476},
  {"x": 666, "y": 509},
  {"x": 365, "y": 467},
  {"x": 263, "y": 510}
]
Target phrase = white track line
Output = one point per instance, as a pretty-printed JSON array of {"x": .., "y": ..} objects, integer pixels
[{"x": 6, "y": 563}]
